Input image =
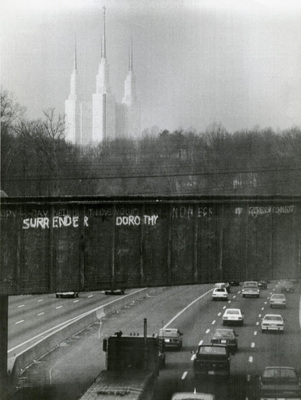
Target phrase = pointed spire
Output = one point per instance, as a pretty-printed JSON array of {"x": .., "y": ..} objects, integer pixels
[
  {"x": 75, "y": 55},
  {"x": 103, "y": 48},
  {"x": 131, "y": 55}
]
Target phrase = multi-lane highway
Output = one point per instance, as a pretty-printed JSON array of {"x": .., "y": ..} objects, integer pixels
[{"x": 66, "y": 372}]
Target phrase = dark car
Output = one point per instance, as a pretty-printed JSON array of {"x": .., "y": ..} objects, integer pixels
[
  {"x": 171, "y": 337},
  {"x": 263, "y": 284},
  {"x": 234, "y": 283},
  {"x": 226, "y": 337},
  {"x": 279, "y": 383},
  {"x": 212, "y": 360},
  {"x": 115, "y": 291},
  {"x": 286, "y": 286}
]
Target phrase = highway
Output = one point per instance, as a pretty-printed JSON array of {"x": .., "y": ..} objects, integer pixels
[{"x": 69, "y": 370}]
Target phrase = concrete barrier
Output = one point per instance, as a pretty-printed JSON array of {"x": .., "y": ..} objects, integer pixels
[{"x": 49, "y": 342}]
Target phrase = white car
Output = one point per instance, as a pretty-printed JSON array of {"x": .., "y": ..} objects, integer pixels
[
  {"x": 220, "y": 294},
  {"x": 233, "y": 316},
  {"x": 272, "y": 322},
  {"x": 278, "y": 300}
]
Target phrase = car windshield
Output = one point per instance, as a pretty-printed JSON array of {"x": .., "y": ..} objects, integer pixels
[
  {"x": 172, "y": 333},
  {"x": 273, "y": 318},
  {"x": 212, "y": 350},
  {"x": 276, "y": 374},
  {"x": 232, "y": 312},
  {"x": 220, "y": 290},
  {"x": 278, "y": 296},
  {"x": 250, "y": 284},
  {"x": 223, "y": 333}
]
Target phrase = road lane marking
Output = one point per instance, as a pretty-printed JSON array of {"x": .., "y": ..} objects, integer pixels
[
  {"x": 91, "y": 295},
  {"x": 186, "y": 308},
  {"x": 19, "y": 322},
  {"x": 75, "y": 301},
  {"x": 219, "y": 314},
  {"x": 201, "y": 342},
  {"x": 224, "y": 307},
  {"x": 257, "y": 323},
  {"x": 265, "y": 302},
  {"x": 252, "y": 344},
  {"x": 40, "y": 300},
  {"x": 229, "y": 301},
  {"x": 184, "y": 375},
  {"x": 255, "y": 333},
  {"x": 250, "y": 359},
  {"x": 21, "y": 305},
  {"x": 262, "y": 308},
  {"x": 208, "y": 330},
  {"x": 248, "y": 378},
  {"x": 259, "y": 315},
  {"x": 213, "y": 322},
  {"x": 234, "y": 297},
  {"x": 58, "y": 307},
  {"x": 41, "y": 313}
]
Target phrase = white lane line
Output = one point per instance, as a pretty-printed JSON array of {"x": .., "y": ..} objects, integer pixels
[
  {"x": 224, "y": 307},
  {"x": 184, "y": 375},
  {"x": 41, "y": 313},
  {"x": 234, "y": 297},
  {"x": 229, "y": 301},
  {"x": 259, "y": 315},
  {"x": 193, "y": 357},
  {"x": 58, "y": 307},
  {"x": 40, "y": 300},
  {"x": 213, "y": 322},
  {"x": 19, "y": 322},
  {"x": 252, "y": 345},
  {"x": 208, "y": 330},
  {"x": 186, "y": 308},
  {"x": 250, "y": 359},
  {"x": 248, "y": 378},
  {"x": 219, "y": 314},
  {"x": 21, "y": 305},
  {"x": 257, "y": 323},
  {"x": 91, "y": 295},
  {"x": 265, "y": 302},
  {"x": 201, "y": 342},
  {"x": 262, "y": 308},
  {"x": 255, "y": 333},
  {"x": 75, "y": 301}
]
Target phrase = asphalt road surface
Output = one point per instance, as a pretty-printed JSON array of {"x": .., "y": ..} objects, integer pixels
[{"x": 70, "y": 369}]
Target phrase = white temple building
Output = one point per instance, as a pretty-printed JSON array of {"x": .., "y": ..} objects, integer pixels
[{"x": 102, "y": 118}]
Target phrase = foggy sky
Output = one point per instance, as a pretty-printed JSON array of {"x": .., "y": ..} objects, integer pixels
[{"x": 197, "y": 62}]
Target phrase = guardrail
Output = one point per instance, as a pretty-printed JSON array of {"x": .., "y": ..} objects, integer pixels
[{"x": 48, "y": 343}]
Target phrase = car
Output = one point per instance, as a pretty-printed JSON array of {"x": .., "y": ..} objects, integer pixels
[
  {"x": 225, "y": 285},
  {"x": 115, "y": 291},
  {"x": 220, "y": 294},
  {"x": 262, "y": 284},
  {"x": 272, "y": 322},
  {"x": 286, "y": 286},
  {"x": 171, "y": 337},
  {"x": 211, "y": 360},
  {"x": 192, "y": 396},
  {"x": 66, "y": 294},
  {"x": 250, "y": 289},
  {"x": 226, "y": 337},
  {"x": 279, "y": 383},
  {"x": 233, "y": 316},
  {"x": 234, "y": 283},
  {"x": 277, "y": 300}
]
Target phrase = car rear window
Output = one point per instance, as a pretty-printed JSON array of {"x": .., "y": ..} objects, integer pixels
[{"x": 212, "y": 350}]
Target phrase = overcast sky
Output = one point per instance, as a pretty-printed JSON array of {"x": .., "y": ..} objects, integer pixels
[{"x": 196, "y": 62}]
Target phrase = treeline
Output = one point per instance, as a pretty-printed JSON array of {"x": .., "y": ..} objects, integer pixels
[{"x": 36, "y": 160}]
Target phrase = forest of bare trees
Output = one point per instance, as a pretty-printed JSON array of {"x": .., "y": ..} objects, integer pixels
[{"x": 36, "y": 160}]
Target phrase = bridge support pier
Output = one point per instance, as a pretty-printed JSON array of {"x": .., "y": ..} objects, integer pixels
[{"x": 3, "y": 343}]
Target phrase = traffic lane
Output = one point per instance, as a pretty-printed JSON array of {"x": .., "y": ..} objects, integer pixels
[
  {"x": 47, "y": 313},
  {"x": 70, "y": 369}
]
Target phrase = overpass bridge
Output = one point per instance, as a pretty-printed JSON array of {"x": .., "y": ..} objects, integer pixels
[{"x": 94, "y": 242}]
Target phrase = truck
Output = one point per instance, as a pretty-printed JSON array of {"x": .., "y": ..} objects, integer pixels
[{"x": 132, "y": 369}]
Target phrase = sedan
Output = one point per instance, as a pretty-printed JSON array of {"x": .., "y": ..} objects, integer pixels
[
  {"x": 272, "y": 322},
  {"x": 226, "y": 337},
  {"x": 66, "y": 294},
  {"x": 220, "y": 294},
  {"x": 286, "y": 286},
  {"x": 171, "y": 337},
  {"x": 233, "y": 316},
  {"x": 278, "y": 300},
  {"x": 250, "y": 289}
]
